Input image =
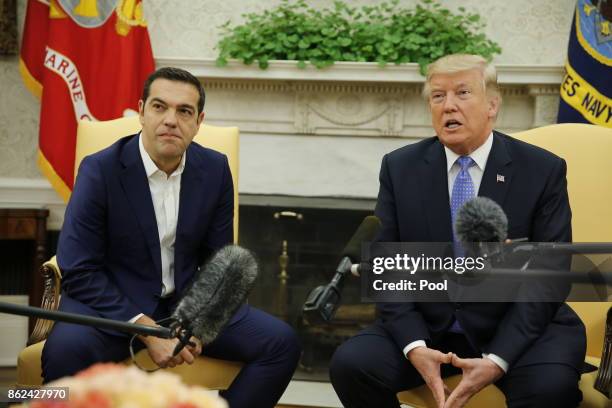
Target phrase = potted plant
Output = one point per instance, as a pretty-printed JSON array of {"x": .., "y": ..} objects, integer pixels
[{"x": 384, "y": 33}]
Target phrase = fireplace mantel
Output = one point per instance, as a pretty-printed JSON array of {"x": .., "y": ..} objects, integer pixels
[{"x": 350, "y": 72}]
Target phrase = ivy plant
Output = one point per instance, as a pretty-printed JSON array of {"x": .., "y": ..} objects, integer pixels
[{"x": 383, "y": 33}]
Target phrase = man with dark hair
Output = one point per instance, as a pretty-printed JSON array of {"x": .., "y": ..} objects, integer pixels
[
  {"x": 533, "y": 352},
  {"x": 144, "y": 213},
  {"x": 178, "y": 75}
]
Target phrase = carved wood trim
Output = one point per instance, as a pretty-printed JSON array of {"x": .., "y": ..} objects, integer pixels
[
  {"x": 50, "y": 300},
  {"x": 603, "y": 383}
]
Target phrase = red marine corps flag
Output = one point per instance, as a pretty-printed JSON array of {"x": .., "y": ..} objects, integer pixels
[{"x": 85, "y": 60}]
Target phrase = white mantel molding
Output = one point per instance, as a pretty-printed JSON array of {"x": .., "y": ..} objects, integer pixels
[
  {"x": 38, "y": 193},
  {"x": 33, "y": 193},
  {"x": 350, "y": 71}
]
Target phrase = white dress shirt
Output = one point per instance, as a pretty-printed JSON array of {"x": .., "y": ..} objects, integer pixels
[
  {"x": 480, "y": 157},
  {"x": 165, "y": 193}
]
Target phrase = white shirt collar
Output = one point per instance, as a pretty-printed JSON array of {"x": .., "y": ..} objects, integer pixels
[
  {"x": 150, "y": 166},
  {"x": 479, "y": 155}
]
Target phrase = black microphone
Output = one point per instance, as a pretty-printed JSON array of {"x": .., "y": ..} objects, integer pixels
[
  {"x": 218, "y": 290},
  {"x": 85, "y": 320},
  {"x": 481, "y": 220},
  {"x": 482, "y": 226},
  {"x": 323, "y": 301}
]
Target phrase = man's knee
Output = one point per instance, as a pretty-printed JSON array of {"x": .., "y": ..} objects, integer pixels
[
  {"x": 65, "y": 340},
  {"x": 556, "y": 387},
  {"x": 560, "y": 390},
  {"x": 66, "y": 351},
  {"x": 350, "y": 364},
  {"x": 286, "y": 342},
  {"x": 71, "y": 348}
]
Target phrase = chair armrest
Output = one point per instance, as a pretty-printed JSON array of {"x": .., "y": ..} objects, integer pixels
[
  {"x": 52, "y": 278},
  {"x": 603, "y": 383}
]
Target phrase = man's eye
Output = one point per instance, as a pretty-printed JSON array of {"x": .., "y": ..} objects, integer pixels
[
  {"x": 465, "y": 92},
  {"x": 157, "y": 106},
  {"x": 437, "y": 97},
  {"x": 186, "y": 112}
]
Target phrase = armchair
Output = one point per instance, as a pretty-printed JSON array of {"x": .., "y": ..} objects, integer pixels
[
  {"x": 586, "y": 149},
  {"x": 91, "y": 137}
]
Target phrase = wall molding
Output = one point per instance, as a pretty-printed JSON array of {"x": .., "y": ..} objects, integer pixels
[
  {"x": 350, "y": 71},
  {"x": 33, "y": 193},
  {"x": 38, "y": 193}
]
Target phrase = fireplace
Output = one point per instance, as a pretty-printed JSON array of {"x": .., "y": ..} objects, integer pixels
[{"x": 298, "y": 247}]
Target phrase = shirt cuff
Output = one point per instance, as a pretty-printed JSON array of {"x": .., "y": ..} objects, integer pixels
[
  {"x": 503, "y": 364},
  {"x": 413, "y": 345},
  {"x": 133, "y": 319}
]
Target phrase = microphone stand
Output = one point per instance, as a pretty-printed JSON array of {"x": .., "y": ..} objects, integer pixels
[{"x": 99, "y": 322}]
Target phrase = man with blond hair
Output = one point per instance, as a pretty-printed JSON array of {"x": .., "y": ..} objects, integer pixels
[{"x": 533, "y": 352}]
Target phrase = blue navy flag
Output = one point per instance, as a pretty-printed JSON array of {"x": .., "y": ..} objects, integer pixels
[{"x": 586, "y": 90}]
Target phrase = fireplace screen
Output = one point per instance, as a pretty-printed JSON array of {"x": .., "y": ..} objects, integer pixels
[{"x": 299, "y": 249}]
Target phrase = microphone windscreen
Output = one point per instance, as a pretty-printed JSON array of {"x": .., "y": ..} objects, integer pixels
[
  {"x": 365, "y": 233},
  {"x": 219, "y": 289},
  {"x": 481, "y": 220}
]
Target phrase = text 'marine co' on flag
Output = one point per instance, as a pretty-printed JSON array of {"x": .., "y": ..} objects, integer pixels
[
  {"x": 586, "y": 90},
  {"x": 85, "y": 60}
]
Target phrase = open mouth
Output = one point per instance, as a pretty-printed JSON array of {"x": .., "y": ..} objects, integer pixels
[{"x": 452, "y": 124}]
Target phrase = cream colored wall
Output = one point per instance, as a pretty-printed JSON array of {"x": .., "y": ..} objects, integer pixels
[{"x": 529, "y": 32}]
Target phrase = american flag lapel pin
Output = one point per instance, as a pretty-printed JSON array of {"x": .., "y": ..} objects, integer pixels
[{"x": 500, "y": 178}]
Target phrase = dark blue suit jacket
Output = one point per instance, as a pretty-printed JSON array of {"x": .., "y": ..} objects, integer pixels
[
  {"x": 413, "y": 205},
  {"x": 109, "y": 250}
]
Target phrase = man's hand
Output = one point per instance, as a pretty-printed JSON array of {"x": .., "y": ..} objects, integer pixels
[
  {"x": 161, "y": 350},
  {"x": 427, "y": 362},
  {"x": 477, "y": 374},
  {"x": 197, "y": 349}
]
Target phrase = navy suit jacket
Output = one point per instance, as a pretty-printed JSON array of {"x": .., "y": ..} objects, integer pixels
[
  {"x": 109, "y": 250},
  {"x": 413, "y": 206}
]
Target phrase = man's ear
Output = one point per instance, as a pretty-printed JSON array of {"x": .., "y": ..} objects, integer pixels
[
  {"x": 494, "y": 103},
  {"x": 200, "y": 118},
  {"x": 141, "y": 111}
]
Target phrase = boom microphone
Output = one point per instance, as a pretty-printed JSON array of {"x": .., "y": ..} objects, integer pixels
[
  {"x": 323, "y": 301},
  {"x": 481, "y": 220},
  {"x": 482, "y": 226},
  {"x": 86, "y": 320},
  {"x": 220, "y": 288}
]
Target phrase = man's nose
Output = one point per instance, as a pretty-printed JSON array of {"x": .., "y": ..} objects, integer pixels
[
  {"x": 450, "y": 102},
  {"x": 170, "y": 118}
]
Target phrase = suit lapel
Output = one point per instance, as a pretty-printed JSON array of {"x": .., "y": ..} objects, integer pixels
[
  {"x": 191, "y": 195},
  {"x": 136, "y": 187},
  {"x": 498, "y": 172},
  {"x": 433, "y": 179},
  {"x": 190, "y": 207}
]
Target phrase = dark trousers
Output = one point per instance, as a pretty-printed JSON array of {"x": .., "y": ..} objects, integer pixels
[
  {"x": 369, "y": 370},
  {"x": 268, "y": 347}
]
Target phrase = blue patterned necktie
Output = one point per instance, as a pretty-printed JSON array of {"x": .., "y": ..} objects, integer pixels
[{"x": 463, "y": 190}]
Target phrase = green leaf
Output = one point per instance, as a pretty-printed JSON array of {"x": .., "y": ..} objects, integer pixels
[
  {"x": 344, "y": 41},
  {"x": 263, "y": 63}
]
